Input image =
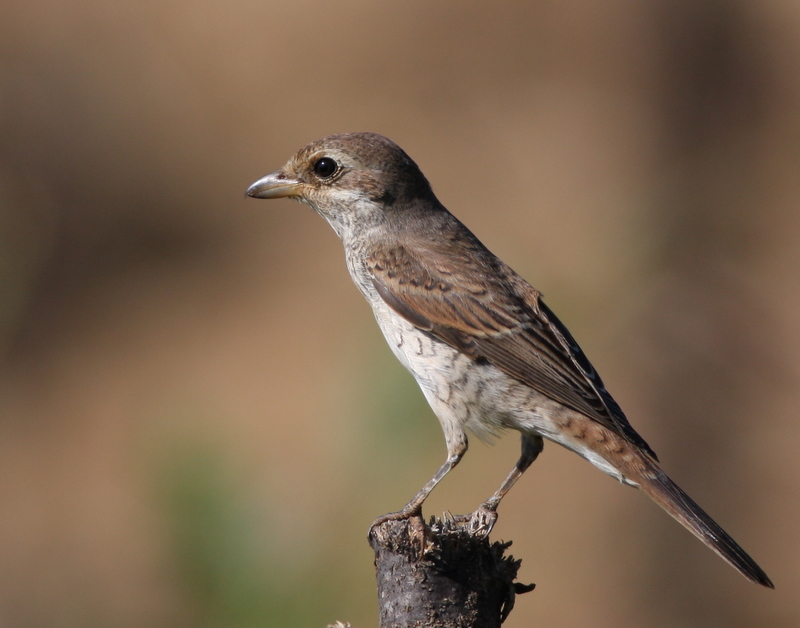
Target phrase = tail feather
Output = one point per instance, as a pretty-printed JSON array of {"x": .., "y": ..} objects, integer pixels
[{"x": 662, "y": 490}]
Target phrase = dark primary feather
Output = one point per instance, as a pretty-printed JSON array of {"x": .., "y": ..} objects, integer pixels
[{"x": 501, "y": 319}]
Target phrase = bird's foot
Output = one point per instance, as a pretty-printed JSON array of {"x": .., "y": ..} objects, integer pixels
[
  {"x": 416, "y": 527},
  {"x": 406, "y": 513},
  {"x": 480, "y": 522}
]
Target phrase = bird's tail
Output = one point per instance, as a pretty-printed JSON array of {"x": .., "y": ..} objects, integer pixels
[{"x": 662, "y": 490}]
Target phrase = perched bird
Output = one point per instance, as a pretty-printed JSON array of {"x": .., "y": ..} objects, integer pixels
[{"x": 486, "y": 351}]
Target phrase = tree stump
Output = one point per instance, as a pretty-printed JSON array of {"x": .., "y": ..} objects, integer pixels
[{"x": 458, "y": 579}]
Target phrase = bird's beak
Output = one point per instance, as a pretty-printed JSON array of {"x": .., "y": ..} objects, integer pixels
[{"x": 275, "y": 185}]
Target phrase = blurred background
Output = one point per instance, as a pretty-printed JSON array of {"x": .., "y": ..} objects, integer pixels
[{"x": 199, "y": 418}]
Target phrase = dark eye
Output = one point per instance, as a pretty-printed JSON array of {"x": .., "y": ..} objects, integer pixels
[{"x": 324, "y": 167}]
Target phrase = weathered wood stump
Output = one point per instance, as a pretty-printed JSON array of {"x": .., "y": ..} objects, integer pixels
[{"x": 446, "y": 577}]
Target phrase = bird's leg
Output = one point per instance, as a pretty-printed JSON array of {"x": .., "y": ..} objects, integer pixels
[
  {"x": 414, "y": 507},
  {"x": 483, "y": 519}
]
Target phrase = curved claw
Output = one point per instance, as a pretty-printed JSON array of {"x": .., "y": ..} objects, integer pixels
[
  {"x": 406, "y": 513},
  {"x": 480, "y": 522},
  {"x": 416, "y": 526}
]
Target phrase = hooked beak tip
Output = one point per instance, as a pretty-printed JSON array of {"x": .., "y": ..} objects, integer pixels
[{"x": 274, "y": 185}]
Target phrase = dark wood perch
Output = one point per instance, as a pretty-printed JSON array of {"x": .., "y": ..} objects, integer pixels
[{"x": 460, "y": 581}]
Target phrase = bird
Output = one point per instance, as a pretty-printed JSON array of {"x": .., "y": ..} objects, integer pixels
[{"x": 485, "y": 350}]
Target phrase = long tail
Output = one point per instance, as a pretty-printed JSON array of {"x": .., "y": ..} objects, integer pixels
[{"x": 671, "y": 498}]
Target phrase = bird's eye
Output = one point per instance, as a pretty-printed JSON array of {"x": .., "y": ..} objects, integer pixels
[{"x": 324, "y": 167}]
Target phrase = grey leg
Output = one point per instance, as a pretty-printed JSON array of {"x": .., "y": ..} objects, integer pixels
[
  {"x": 414, "y": 507},
  {"x": 483, "y": 519}
]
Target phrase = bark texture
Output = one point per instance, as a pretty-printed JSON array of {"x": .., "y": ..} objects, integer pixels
[{"x": 444, "y": 577}]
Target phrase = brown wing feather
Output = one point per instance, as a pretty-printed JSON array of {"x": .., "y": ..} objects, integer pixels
[{"x": 476, "y": 303}]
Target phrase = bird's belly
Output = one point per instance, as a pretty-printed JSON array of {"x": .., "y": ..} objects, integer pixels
[
  {"x": 478, "y": 396},
  {"x": 465, "y": 393}
]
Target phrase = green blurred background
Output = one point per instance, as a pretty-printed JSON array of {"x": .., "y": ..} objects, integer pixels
[{"x": 198, "y": 416}]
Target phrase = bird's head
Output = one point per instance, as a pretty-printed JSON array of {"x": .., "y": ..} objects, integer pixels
[{"x": 353, "y": 180}]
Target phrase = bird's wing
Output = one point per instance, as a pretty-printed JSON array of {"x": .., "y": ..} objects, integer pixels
[{"x": 475, "y": 303}]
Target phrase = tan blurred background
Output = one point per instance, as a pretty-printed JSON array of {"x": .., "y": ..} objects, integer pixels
[{"x": 198, "y": 416}]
